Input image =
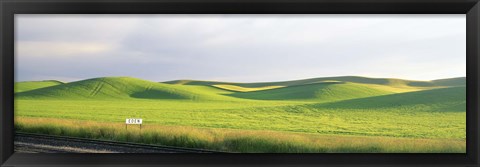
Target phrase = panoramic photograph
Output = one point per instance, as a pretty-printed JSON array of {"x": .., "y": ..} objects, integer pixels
[{"x": 240, "y": 83}]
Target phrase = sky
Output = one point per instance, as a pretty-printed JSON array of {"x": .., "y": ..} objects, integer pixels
[{"x": 239, "y": 48}]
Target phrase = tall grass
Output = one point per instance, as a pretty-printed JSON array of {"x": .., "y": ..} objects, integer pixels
[{"x": 244, "y": 141}]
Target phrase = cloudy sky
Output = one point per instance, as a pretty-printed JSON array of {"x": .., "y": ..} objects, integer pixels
[{"x": 240, "y": 48}]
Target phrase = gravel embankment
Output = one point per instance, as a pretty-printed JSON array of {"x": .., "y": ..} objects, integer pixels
[{"x": 34, "y": 144}]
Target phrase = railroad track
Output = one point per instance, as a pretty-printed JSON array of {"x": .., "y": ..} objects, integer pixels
[{"x": 134, "y": 146}]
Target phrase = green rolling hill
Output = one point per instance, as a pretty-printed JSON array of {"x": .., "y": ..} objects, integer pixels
[
  {"x": 449, "y": 99},
  {"x": 121, "y": 88},
  {"x": 300, "y": 114},
  {"x": 316, "y": 89},
  {"x": 329, "y": 91},
  {"x": 462, "y": 81},
  {"x": 32, "y": 85},
  {"x": 354, "y": 79}
]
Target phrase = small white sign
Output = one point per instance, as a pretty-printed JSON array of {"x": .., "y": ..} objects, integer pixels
[{"x": 135, "y": 121}]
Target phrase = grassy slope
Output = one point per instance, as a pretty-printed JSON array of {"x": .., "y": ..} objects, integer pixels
[
  {"x": 461, "y": 81},
  {"x": 453, "y": 98},
  {"x": 386, "y": 84},
  {"x": 32, "y": 85},
  {"x": 331, "y": 91},
  {"x": 306, "y": 107},
  {"x": 126, "y": 88},
  {"x": 400, "y": 115},
  {"x": 122, "y": 88},
  {"x": 355, "y": 79}
]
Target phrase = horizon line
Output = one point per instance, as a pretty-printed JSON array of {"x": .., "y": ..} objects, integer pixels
[{"x": 58, "y": 80}]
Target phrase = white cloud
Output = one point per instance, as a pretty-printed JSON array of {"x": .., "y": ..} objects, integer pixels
[
  {"x": 241, "y": 47},
  {"x": 55, "y": 50}
]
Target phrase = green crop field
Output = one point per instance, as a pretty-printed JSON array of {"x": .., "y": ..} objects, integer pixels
[{"x": 335, "y": 114}]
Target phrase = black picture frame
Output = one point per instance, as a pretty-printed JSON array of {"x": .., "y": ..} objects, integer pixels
[{"x": 9, "y": 8}]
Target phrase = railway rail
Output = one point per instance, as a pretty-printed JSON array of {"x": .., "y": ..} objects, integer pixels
[{"x": 26, "y": 140}]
